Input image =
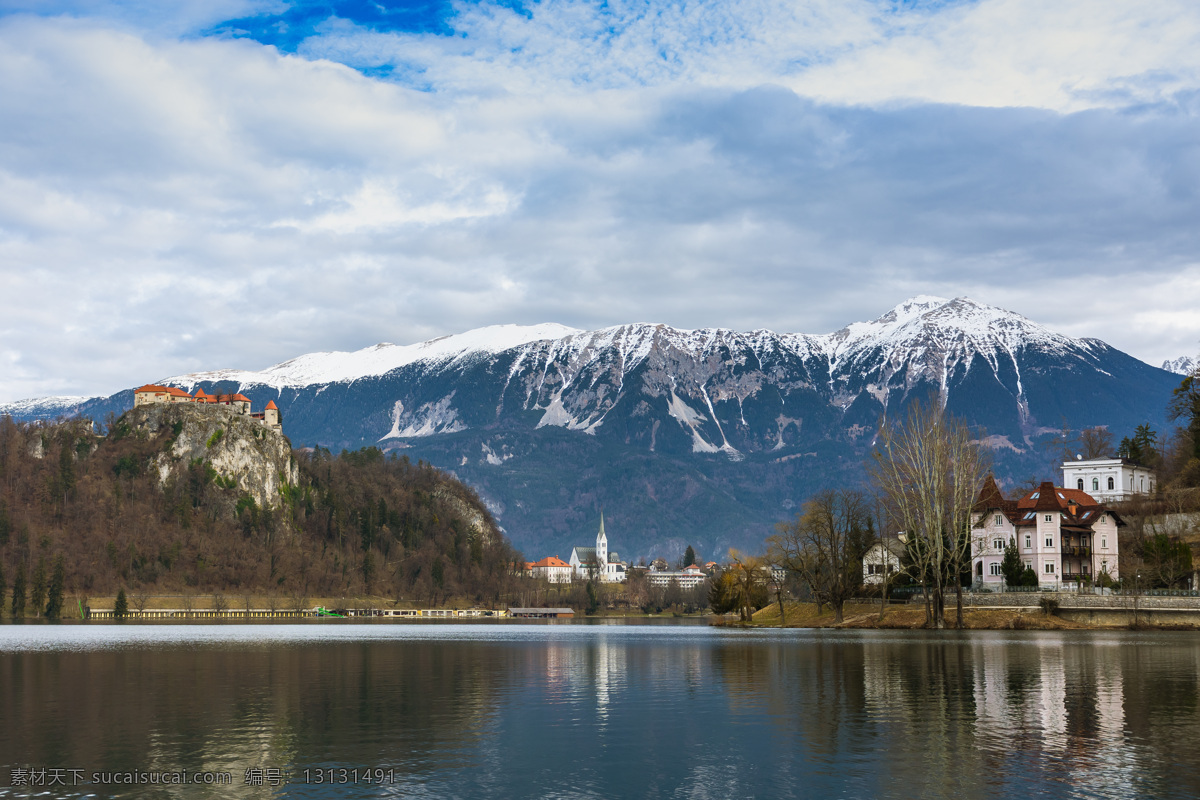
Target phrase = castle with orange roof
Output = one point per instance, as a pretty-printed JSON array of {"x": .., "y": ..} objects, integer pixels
[{"x": 151, "y": 394}]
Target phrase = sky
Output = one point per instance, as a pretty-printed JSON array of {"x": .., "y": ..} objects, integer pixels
[{"x": 232, "y": 183}]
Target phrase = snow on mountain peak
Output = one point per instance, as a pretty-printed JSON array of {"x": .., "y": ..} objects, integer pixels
[
  {"x": 1182, "y": 365},
  {"x": 923, "y": 321},
  {"x": 379, "y": 359}
]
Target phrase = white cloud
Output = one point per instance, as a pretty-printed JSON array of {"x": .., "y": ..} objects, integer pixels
[{"x": 169, "y": 205}]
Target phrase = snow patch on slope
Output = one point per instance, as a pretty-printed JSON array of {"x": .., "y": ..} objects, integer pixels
[{"x": 429, "y": 419}]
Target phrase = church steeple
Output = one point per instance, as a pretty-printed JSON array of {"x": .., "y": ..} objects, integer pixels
[{"x": 602, "y": 544}]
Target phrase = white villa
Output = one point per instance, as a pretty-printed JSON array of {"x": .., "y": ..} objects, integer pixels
[
  {"x": 607, "y": 566},
  {"x": 1063, "y": 535},
  {"x": 882, "y": 559},
  {"x": 1109, "y": 480},
  {"x": 687, "y": 578}
]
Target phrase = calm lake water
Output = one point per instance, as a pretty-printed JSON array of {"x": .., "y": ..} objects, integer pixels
[{"x": 604, "y": 711}]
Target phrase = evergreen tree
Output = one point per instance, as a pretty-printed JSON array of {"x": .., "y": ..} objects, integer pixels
[
  {"x": 1185, "y": 407},
  {"x": 37, "y": 589},
  {"x": 1011, "y": 567},
  {"x": 1146, "y": 442},
  {"x": 1029, "y": 577},
  {"x": 121, "y": 607},
  {"x": 18, "y": 595},
  {"x": 689, "y": 556},
  {"x": 54, "y": 602}
]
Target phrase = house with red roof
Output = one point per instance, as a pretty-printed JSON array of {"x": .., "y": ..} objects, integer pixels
[
  {"x": 151, "y": 394},
  {"x": 1064, "y": 535},
  {"x": 552, "y": 569}
]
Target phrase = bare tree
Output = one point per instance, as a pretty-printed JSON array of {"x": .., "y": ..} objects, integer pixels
[
  {"x": 1096, "y": 442},
  {"x": 825, "y": 545},
  {"x": 140, "y": 599},
  {"x": 930, "y": 470}
]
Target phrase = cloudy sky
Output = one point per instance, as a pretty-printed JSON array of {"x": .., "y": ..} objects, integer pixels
[{"x": 230, "y": 183}]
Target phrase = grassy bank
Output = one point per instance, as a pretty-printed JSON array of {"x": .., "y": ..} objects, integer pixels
[{"x": 907, "y": 617}]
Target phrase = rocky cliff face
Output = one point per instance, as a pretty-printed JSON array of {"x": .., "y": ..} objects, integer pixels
[{"x": 239, "y": 449}]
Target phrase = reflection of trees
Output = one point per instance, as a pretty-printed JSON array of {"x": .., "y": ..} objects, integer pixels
[{"x": 376, "y": 704}]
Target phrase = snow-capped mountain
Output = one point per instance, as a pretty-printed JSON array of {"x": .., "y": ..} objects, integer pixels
[
  {"x": 702, "y": 436},
  {"x": 1180, "y": 366}
]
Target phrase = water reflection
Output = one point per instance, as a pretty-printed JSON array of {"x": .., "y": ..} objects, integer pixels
[{"x": 573, "y": 711}]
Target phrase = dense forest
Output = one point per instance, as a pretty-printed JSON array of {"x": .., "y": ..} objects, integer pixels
[{"x": 95, "y": 514}]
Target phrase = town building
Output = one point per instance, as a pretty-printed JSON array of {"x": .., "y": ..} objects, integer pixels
[
  {"x": 541, "y": 613},
  {"x": 598, "y": 561},
  {"x": 1109, "y": 480},
  {"x": 883, "y": 559},
  {"x": 687, "y": 578},
  {"x": 552, "y": 569},
  {"x": 151, "y": 394},
  {"x": 1064, "y": 535}
]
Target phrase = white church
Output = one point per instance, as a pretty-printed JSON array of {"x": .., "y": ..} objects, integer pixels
[{"x": 607, "y": 566}]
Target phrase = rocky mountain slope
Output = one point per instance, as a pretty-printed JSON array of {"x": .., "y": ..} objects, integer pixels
[{"x": 704, "y": 436}]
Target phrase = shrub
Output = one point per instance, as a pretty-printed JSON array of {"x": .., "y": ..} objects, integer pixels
[{"x": 1049, "y": 605}]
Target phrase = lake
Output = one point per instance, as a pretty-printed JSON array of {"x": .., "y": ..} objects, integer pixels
[{"x": 594, "y": 711}]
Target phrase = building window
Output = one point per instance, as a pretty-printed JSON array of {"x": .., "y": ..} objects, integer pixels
[
  {"x": 1086, "y": 569},
  {"x": 999, "y": 520},
  {"x": 1049, "y": 541},
  {"x": 1095, "y": 484},
  {"x": 1142, "y": 483},
  {"x": 1110, "y": 484},
  {"x": 1049, "y": 569},
  {"x": 1028, "y": 565},
  {"x": 995, "y": 569},
  {"x": 1049, "y": 518},
  {"x": 1103, "y": 542},
  {"x": 998, "y": 544},
  {"x": 1083, "y": 540},
  {"x": 1028, "y": 542},
  {"x": 1079, "y": 484}
]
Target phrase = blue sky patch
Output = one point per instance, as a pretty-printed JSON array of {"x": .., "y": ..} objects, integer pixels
[{"x": 301, "y": 20}]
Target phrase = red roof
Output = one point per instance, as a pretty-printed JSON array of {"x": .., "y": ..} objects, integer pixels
[
  {"x": 241, "y": 397},
  {"x": 551, "y": 561},
  {"x": 151, "y": 388},
  {"x": 272, "y": 407},
  {"x": 200, "y": 392},
  {"x": 1048, "y": 497}
]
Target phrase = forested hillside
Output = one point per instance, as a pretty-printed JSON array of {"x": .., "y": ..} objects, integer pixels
[{"x": 123, "y": 511}]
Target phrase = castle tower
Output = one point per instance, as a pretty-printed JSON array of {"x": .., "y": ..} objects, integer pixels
[
  {"x": 602, "y": 546},
  {"x": 271, "y": 416}
]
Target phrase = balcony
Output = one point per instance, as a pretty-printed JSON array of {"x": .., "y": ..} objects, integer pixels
[
  {"x": 1069, "y": 577},
  {"x": 1071, "y": 550}
]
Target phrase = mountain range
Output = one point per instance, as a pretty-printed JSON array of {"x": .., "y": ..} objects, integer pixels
[{"x": 704, "y": 437}]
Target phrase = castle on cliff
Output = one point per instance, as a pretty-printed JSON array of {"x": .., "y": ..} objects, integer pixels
[{"x": 151, "y": 394}]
